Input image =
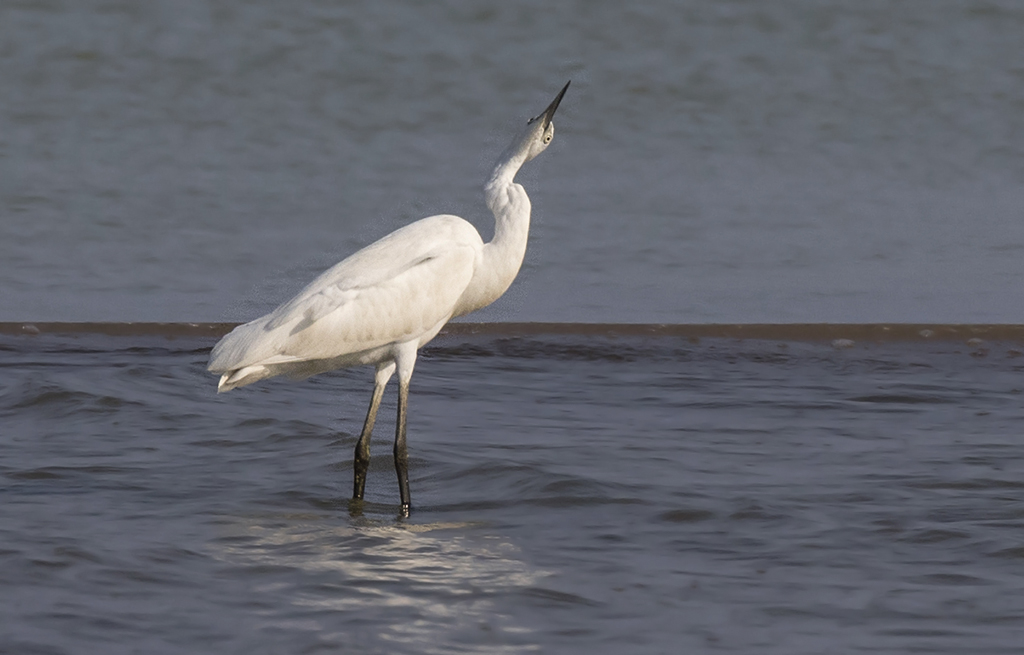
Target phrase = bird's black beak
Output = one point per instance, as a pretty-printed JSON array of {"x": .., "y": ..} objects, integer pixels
[{"x": 550, "y": 111}]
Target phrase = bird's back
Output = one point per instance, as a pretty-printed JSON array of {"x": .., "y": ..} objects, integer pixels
[{"x": 401, "y": 288}]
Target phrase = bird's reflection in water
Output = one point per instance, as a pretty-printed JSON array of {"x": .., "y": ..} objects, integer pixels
[{"x": 410, "y": 585}]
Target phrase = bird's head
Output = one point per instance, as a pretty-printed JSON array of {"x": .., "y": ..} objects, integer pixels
[
  {"x": 540, "y": 130},
  {"x": 528, "y": 144}
]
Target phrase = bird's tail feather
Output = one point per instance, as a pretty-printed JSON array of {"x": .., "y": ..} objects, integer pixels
[{"x": 241, "y": 377}]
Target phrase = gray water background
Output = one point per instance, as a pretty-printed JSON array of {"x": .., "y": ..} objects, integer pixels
[
  {"x": 727, "y": 161},
  {"x": 571, "y": 495}
]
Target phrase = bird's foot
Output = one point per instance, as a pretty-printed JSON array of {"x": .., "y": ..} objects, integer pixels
[{"x": 355, "y": 508}]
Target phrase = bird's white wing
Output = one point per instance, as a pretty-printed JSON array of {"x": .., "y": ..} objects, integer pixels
[
  {"x": 391, "y": 291},
  {"x": 341, "y": 285}
]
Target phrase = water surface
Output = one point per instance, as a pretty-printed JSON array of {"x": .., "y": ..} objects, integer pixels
[
  {"x": 739, "y": 161},
  {"x": 572, "y": 493}
]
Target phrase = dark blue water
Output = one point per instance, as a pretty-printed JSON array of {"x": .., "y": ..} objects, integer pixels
[{"x": 572, "y": 494}]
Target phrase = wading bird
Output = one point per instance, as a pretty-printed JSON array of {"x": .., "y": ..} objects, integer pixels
[{"x": 383, "y": 303}]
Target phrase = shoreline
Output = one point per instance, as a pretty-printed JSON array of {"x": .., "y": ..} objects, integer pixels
[{"x": 871, "y": 332}]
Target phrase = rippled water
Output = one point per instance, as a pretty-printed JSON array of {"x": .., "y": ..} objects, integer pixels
[
  {"x": 716, "y": 161},
  {"x": 571, "y": 494}
]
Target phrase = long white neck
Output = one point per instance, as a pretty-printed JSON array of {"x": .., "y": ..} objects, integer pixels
[
  {"x": 501, "y": 258},
  {"x": 503, "y": 255}
]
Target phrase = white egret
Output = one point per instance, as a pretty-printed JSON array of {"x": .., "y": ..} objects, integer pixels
[{"x": 383, "y": 303}]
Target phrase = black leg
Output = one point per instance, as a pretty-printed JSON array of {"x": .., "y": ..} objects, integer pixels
[
  {"x": 362, "y": 456},
  {"x": 401, "y": 451}
]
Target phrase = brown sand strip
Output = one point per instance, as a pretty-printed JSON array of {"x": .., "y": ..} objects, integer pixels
[{"x": 870, "y": 332}]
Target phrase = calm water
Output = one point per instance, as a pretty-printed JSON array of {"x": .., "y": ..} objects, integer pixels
[
  {"x": 572, "y": 495},
  {"x": 737, "y": 161}
]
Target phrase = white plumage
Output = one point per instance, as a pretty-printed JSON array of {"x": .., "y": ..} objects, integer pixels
[
  {"x": 381, "y": 304},
  {"x": 397, "y": 289}
]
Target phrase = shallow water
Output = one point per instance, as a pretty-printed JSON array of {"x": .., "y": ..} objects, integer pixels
[{"x": 571, "y": 494}]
